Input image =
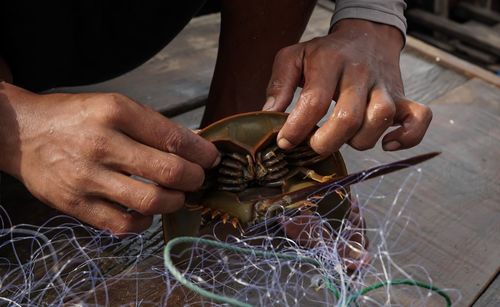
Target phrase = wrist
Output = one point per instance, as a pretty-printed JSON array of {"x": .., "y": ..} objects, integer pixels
[
  {"x": 383, "y": 34},
  {"x": 388, "y": 12},
  {"x": 12, "y": 103}
]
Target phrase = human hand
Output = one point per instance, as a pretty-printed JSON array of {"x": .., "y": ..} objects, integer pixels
[
  {"x": 350, "y": 243},
  {"x": 357, "y": 65},
  {"x": 75, "y": 152}
]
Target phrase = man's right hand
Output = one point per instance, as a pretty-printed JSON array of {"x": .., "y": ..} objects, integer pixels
[{"x": 75, "y": 152}]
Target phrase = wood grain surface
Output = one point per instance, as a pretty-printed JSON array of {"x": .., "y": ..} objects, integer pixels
[
  {"x": 182, "y": 71},
  {"x": 454, "y": 211}
]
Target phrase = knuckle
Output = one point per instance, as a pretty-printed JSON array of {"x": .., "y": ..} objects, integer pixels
[
  {"x": 126, "y": 224},
  {"x": 386, "y": 110},
  {"x": 151, "y": 202},
  {"x": 111, "y": 107},
  {"x": 83, "y": 177},
  {"x": 73, "y": 202},
  {"x": 309, "y": 100},
  {"x": 350, "y": 121},
  {"x": 275, "y": 85},
  {"x": 427, "y": 114},
  {"x": 421, "y": 112},
  {"x": 175, "y": 141},
  {"x": 172, "y": 173},
  {"x": 290, "y": 55},
  {"x": 285, "y": 52}
]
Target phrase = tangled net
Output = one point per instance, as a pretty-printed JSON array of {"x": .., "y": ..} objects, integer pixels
[{"x": 65, "y": 262}]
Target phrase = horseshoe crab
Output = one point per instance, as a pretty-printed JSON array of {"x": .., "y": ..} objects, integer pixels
[{"x": 254, "y": 169}]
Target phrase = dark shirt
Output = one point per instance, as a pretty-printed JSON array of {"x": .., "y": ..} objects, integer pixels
[{"x": 63, "y": 43}]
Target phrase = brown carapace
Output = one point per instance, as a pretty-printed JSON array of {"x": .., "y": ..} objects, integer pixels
[{"x": 252, "y": 169}]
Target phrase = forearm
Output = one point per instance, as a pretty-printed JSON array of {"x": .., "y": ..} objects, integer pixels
[{"x": 251, "y": 35}]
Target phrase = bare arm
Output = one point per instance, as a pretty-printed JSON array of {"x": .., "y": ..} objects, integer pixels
[
  {"x": 356, "y": 64},
  {"x": 252, "y": 32}
]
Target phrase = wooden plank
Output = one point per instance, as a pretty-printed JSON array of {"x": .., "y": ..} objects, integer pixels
[
  {"x": 489, "y": 43},
  {"x": 495, "y": 68},
  {"x": 441, "y": 8},
  {"x": 478, "y": 13},
  {"x": 412, "y": 64},
  {"x": 441, "y": 44},
  {"x": 179, "y": 73},
  {"x": 469, "y": 93},
  {"x": 482, "y": 27},
  {"x": 450, "y": 61},
  {"x": 327, "y": 4},
  {"x": 456, "y": 203},
  {"x": 490, "y": 297},
  {"x": 454, "y": 211},
  {"x": 447, "y": 60},
  {"x": 424, "y": 80},
  {"x": 473, "y": 53}
]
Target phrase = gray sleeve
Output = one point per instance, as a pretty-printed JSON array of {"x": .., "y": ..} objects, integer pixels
[{"x": 390, "y": 12}]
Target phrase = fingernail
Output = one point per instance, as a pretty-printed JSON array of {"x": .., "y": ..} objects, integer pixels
[
  {"x": 284, "y": 144},
  {"x": 354, "y": 254},
  {"x": 392, "y": 145},
  {"x": 216, "y": 162},
  {"x": 269, "y": 103}
]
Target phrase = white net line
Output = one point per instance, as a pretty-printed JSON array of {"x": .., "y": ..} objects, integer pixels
[{"x": 65, "y": 262}]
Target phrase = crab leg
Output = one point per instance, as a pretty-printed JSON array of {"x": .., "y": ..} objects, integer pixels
[
  {"x": 336, "y": 184},
  {"x": 309, "y": 173}
]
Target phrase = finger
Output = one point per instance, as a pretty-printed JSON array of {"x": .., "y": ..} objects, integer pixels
[
  {"x": 378, "y": 118},
  {"x": 321, "y": 78},
  {"x": 166, "y": 169},
  {"x": 153, "y": 129},
  {"x": 414, "y": 119},
  {"x": 145, "y": 198},
  {"x": 347, "y": 116},
  {"x": 285, "y": 76},
  {"x": 105, "y": 215},
  {"x": 305, "y": 230}
]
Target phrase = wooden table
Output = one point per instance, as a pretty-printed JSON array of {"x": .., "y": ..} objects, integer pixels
[{"x": 455, "y": 209}]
